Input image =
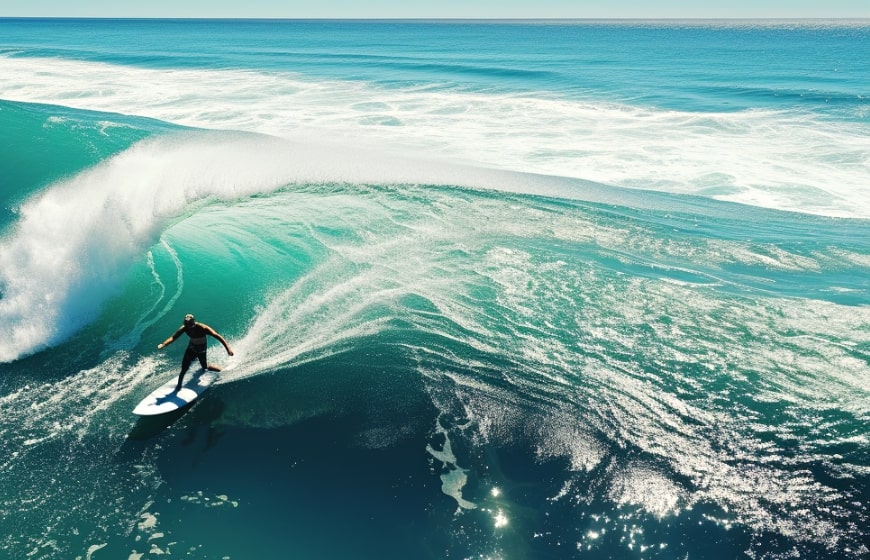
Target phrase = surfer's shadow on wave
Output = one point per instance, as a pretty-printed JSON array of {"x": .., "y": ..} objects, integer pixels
[
  {"x": 173, "y": 398},
  {"x": 148, "y": 427}
]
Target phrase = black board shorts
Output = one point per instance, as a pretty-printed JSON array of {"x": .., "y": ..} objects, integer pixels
[{"x": 194, "y": 351}]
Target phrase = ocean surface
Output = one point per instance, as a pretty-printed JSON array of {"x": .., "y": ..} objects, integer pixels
[{"x": 496, "y": 290}]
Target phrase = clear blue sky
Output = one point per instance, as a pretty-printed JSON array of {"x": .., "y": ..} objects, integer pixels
[{"x": 440, "y": 8}]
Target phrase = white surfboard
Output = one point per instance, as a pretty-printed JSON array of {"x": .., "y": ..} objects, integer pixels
[{"x": 164, "y": 399}]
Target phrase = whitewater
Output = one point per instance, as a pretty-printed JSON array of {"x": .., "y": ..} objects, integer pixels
[
  {"x": 496, "y": 289},
  {"x": 798, "y": 161}
]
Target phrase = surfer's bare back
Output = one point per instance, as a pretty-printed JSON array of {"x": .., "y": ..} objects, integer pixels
[{"x": 197, "y": 346}]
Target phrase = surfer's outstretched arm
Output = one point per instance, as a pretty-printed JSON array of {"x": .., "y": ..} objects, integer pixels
[
  {"x": 221, "y": 339},
  {"x": 171, "y": 339}
]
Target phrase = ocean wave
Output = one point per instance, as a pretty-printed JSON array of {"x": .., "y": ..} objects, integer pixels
[
  {"x": 511, "y": 363},
  {"x": 647, "y": 370},
  {"x": 55, "y": 273},
  {"x": 783, "y": 159}
]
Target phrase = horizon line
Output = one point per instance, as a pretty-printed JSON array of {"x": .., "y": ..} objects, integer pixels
[{"x": 448, "y": 18}]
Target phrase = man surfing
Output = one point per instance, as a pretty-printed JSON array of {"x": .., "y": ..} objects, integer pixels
[{"x": 197, "y": 346}]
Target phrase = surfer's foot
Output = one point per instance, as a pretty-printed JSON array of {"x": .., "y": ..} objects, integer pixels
[{"x": 213, "y": 368}]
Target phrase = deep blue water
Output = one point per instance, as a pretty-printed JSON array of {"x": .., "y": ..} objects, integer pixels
[{"x": 546, "y": 289}]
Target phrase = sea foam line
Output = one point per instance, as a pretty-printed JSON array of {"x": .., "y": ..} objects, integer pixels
[{"x": 784, "y": 160}]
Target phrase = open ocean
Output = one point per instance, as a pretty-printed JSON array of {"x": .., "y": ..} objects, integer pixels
[{"x": 497, "y": 290}]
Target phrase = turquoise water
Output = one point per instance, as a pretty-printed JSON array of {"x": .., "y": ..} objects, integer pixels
[{"x": 495, "y": 289}]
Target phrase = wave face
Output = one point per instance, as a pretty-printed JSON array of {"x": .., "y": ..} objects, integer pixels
[{"x": 481, "y": 306}]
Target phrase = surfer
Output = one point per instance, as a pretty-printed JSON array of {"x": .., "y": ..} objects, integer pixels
[{"x": 197, "y": 346}]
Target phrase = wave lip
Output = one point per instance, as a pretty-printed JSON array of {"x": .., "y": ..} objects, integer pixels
[
  {"x": 74, "y": 243},
  {"x": 69, "y": 249}
]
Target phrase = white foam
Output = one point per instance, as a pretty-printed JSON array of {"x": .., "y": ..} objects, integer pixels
[
  {"x": 93, "y": 548},
  {"x": 642, "y": 486},
  {"x": 454, "y": 477},
  {"x": 37, "y": 416},
  {"x": 782, "y": 160}
]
